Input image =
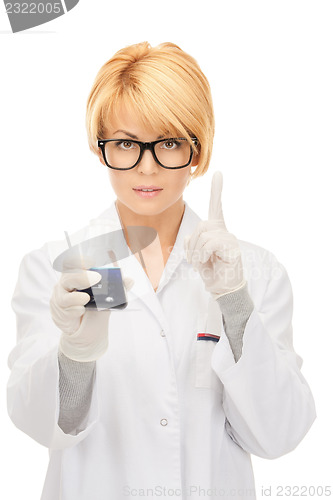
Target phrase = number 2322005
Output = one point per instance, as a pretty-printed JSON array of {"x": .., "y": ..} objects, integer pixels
[{"x": 33, "y": 8}]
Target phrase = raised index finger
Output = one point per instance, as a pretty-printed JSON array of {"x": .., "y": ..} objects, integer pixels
[{"x": 215, "y": 204}]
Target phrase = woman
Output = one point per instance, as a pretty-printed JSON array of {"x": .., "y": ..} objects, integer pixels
[{"x": 169, "y": 396}]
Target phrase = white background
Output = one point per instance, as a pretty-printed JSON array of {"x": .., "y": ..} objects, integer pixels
[{"x": 270, "y": 68}]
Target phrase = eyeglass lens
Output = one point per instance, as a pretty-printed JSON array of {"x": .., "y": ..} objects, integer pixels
[{"x": 170, "y": 153}]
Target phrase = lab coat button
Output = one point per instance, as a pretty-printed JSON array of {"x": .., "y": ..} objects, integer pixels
[
  {"x": 164, "y": 421},
  {"x": 162, "y": 333}
]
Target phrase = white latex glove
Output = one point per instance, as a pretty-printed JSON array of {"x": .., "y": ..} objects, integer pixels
[
  {"x": 213, "y": 251},
  {"x": 84, "y": 331}
]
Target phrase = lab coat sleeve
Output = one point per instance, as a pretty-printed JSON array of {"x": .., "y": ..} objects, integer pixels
[
  {"x": 33, "y": 386},
  {"x": 268, "y": 403}
]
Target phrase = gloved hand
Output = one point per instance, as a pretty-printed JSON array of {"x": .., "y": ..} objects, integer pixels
[
  {"x": 84, "y": 331},
  {"x": 213, "y": 251}
]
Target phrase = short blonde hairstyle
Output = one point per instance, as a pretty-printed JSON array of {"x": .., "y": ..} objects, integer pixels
[{"x": 164, "y": 86}]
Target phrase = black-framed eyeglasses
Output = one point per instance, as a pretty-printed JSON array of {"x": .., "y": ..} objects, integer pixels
[{"x": 124, "y": 154}]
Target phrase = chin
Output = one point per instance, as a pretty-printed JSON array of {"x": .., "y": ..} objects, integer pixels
[{"x": 148, "y": 209}]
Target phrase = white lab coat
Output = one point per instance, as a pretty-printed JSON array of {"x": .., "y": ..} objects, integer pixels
[{"x": 171, "y": 416}]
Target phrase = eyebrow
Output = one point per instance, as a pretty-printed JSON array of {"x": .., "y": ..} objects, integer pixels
[
  {"x": 132, "y": 135},
  {"x": 127, "y": 133}
]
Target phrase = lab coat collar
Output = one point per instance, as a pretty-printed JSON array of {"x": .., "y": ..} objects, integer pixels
[{"x": 109, "y": 220}]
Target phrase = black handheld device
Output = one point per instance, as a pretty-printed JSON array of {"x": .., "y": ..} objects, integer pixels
[{"x": 109, "y": 292}]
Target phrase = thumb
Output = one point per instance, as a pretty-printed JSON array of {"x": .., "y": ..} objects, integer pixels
[{"x": 215, "y": 204}]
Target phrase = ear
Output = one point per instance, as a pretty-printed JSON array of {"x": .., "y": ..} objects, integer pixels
[
  {"x": 195, "y": 160},
  {"x": 100, "y": 156},
  {"x": 196, "y": 157}
]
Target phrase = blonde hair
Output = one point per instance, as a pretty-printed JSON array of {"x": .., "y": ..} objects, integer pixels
[{"x": 163, "y": 86}]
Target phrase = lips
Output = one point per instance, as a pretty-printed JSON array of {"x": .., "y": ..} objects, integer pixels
[
  {"x": 147, "y": 192},
  {"x": 147, "y": 188}
]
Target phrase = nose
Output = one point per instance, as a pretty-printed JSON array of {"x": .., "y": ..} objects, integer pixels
[{"x": 147, "y": 163}]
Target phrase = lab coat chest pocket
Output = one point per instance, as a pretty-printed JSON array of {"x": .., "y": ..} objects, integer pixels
[{"x": 209, "y": 328}]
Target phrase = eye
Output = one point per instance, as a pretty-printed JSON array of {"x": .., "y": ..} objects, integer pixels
[
  {"x": 170, "y": 144},
  {"x": 125, "y": 145}
]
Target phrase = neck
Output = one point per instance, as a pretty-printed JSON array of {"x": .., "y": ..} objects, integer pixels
[{"x": 165, "y": 223}]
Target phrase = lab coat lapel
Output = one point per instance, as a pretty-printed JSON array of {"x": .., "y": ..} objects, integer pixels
[
  {"x": 188, "y": 224},
  {"x": 142, "y": 290}
]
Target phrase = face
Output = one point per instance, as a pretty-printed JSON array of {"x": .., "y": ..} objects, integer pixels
[{"x": 128, "y": 184}]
